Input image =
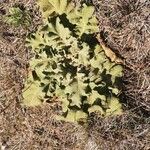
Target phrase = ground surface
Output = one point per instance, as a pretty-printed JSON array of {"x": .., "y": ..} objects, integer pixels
[{"x": 36, "y": 129}]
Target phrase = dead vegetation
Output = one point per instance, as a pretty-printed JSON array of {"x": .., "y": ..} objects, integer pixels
[
  {"x": 128, "y": 131},
  {"x": 124, "y": 27}
]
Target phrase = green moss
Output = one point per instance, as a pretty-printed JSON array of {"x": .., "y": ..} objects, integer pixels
[{"x": 18, "y": 17}]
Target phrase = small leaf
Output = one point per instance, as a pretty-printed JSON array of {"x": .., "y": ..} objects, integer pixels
[
  {"x": 54, "y": 7},
  {"x": 65, "y": 104},
  {"x": 114, "y": 90},
  {"x": 96, "y": 108},
  {"x": 84, "y": 55},
  {"x": 114, "y": 107},
  {"x": 94, "y": 96},
  {"x": 116, "y": 71},
  {"x": 33, "y": 95},
  {"x": 71, "y": 116},
  {"x": 81, "y": 116}
]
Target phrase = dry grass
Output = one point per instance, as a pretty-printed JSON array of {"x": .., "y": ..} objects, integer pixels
[
  {"x": 36, "y": 129},
  {"x": 28, "y": 128},
  {"x": 125, "y": 28},
  {"x": 129, "y": 131}
]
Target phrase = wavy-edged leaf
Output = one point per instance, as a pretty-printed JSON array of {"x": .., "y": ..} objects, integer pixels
[
  {"x": 74, "y": 116},
  {"x": 33, "y": 94},
  {"x": 115, "y": 107},
  {"x": 50, "y": 8},
  {"x": 116, "y": 71},
  {"x": 94, "y": 96},
  {"x": 53, "y": 36},
  {"x": 96, "y": 108},
  {"x": 84, "y": 20},
  {"x": 81, "y": 76}
]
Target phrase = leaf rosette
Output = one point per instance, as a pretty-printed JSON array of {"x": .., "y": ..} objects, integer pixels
[{"x": 66, "y": 65}]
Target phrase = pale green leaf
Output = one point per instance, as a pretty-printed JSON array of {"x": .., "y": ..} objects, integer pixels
[
  {"x": 116, "y": 71},
  {"x": 83, "y": 20},
  {"x": 94, "y": 96},
  {"x": 96, "y": 108},
  {"x": 83, "y": 57},
  {"x": 71, "y": 116},
  {"x": 81, "y": 116},
  {"x": 33, "y": 95},
  {"x": 115, "y": 108},
  {"x": 114, "y": 90}
]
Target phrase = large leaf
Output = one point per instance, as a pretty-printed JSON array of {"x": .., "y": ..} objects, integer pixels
[
  {"x": 53, "y": 36},
  {"x": 74, "y": 91},
  {"x": 49, "y": 8},
  {"x": 84, "y": 20},
  {"x": 81, "y": 17}
]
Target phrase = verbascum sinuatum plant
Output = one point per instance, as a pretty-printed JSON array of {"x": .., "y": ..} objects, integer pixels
[{"x": 69, "y": 64}]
